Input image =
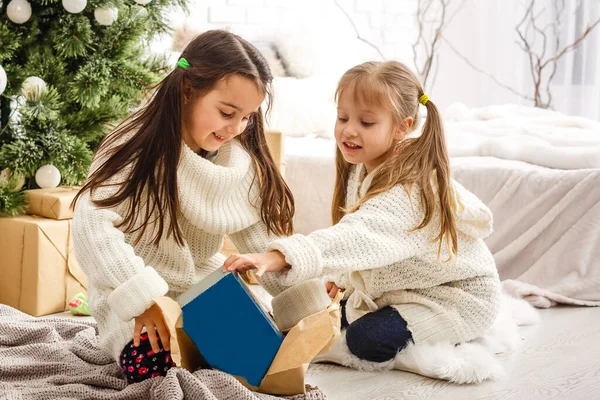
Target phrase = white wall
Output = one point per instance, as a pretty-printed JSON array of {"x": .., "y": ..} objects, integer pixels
[
  {"x": 483, "y": 31},
  {"x": 456, "y": 80},
  {"x": 386, "y": 23}
]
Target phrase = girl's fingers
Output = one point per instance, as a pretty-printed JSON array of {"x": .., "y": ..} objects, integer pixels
[
  {"x": 248, "y": 266},
  {"x": 137, "y": 331},
  {"x": 152, "y": 337},
  {"x": 333, "y": 291},
  {"x": 164, "y": 335},
  {"x": 241, "y": 265},
  {"x": 232, "y": 266},
  {"x": 261, "y": 271},
  {"x": 230, "y": 261},
  {"x": 241, "y": 268}
]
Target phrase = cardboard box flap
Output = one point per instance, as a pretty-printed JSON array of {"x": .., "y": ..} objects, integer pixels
[
  {"x": 313, "y": 335},
  {"x": 285, "y": 383},
  {"x": 180, "y": 342},
  {"x": 303, "y": 342}
]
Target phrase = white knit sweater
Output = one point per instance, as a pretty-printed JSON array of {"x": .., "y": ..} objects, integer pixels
[
  {"x": 216, "y": 198},
  {"x": 372, "y": 254}
]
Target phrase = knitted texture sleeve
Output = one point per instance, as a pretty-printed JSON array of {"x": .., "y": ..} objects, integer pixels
[
  {"x": 253, "y": 239},
  {"x": 110, "y": 262},
  {"x": 376, "y": 235}
]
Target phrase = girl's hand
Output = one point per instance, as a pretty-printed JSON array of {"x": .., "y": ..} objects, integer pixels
[
  {"x": 272, "y": 261},
  {"x": 154, "y": 321},
  {"x": 332, "y": 289}
]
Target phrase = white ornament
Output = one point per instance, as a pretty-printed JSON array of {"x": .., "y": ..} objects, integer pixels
[
  {"x": 3, "y": 79},
  {"x": 143, "y": 2},
  {"x": 74, "y": 6},
  {"x": 18, "y": 11},
  {"x": 32, "y": 84},
  {"x": 47, "y": 176},
  {"x": 106, "y": 16}
]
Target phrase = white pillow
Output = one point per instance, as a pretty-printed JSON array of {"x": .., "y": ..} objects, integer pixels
[
  {"x": 318, "y": 47},
  {"x": 323, "y": 43}
]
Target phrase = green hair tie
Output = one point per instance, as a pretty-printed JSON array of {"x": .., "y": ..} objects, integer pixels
[{"x": 183, "y": 63}]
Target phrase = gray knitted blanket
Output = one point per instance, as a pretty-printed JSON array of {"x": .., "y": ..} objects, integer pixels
[{"x": 60, "y": 358}]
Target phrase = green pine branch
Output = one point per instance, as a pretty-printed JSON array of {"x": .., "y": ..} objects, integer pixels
[
  {"x": 11, "y": 41},
  {"x": 11, "y": 203},
  {"x": 95, "y": 75},
  {"x": 72, "y": 37}
]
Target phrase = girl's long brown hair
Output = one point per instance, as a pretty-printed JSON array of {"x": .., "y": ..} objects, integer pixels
[
  {"x": 421, "y": 161},
  {"x": 153, "y": 143}
]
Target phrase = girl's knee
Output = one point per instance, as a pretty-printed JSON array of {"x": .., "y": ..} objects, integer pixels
[
  {"x": 141, "y": 363},
  {"x": 378, "y": 336}
]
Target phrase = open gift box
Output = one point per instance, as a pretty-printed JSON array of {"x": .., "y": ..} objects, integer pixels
[{"x": 313, "y": 335}]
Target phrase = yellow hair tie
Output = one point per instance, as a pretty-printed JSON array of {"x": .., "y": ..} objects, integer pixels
[{"x": 424, "y": 99}]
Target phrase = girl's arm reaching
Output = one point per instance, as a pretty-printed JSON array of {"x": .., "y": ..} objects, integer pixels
[
  {"x": 111, "y": 263},
  {"x": 255, "y": 239},
  {"x": 376, "y": 235}
]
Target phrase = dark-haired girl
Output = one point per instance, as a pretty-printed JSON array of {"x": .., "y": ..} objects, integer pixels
[{"x": 167, "y": 185}]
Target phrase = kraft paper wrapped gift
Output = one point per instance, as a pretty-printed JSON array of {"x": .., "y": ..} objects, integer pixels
[
  {"x": 52, "y": 203},
  {"x": 39, "y": 271},
  {"x": 313, "y": 335}
]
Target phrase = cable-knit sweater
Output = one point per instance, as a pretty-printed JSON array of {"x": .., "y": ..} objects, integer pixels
[
  {"x": 374, "y": 255},
  {"x": 217, "y": 197}
]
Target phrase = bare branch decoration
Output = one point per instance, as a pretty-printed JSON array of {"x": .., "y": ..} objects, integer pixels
[
  {"x": 358, "y": 36},
  {"x": 540, "y": 62},
  {"x": 430, "y": 31}
]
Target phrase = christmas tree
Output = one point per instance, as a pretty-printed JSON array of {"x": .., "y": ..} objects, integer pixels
[{"x": 70, "y": 70}]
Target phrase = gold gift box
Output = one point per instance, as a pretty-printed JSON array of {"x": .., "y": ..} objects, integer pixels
[
  {"x": 40, "y": 274},
  {"x": 52, "y": 203}
]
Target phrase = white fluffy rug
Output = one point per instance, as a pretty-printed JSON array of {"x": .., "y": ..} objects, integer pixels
[{"x": 472, "y": 362}]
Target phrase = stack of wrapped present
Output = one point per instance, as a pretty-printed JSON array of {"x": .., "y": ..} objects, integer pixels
[{"x": 38, "y": 269}]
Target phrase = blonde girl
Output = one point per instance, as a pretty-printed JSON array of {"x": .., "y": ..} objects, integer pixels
[{"x": 407, "y": 241}]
